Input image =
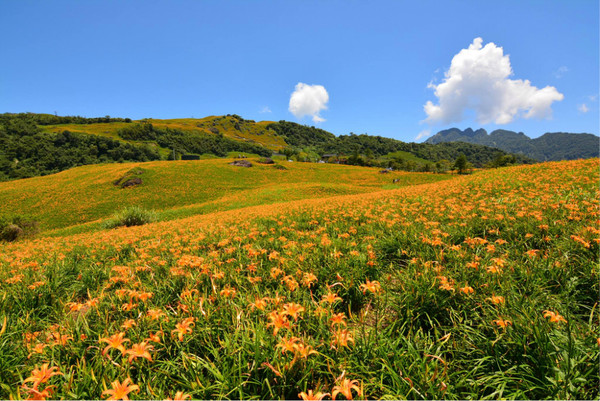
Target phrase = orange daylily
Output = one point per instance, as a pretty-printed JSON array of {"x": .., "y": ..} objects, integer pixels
[
  {"x": 115, "y": 341},
  {"x": 496, "y": 299},
  {"x": 180, "y": 396},
  {"x": 341, "y": 338},
  {"x": 293, "y": 310},
  {"x": 554, "y": 317},
  {"x": 141, "y": 350},
  {"x": 331, "y": 298},
  {"x": 504, "y": 323},
  {"x": 184, "y": 327},
  {"x": 120, "y": 391},
  {"x": 345, "y": 388},
  {"x": 372, "y": 286},
  {"x": 42, "y": 375},
  {"x": 278, "y": 321},
  {"x": 338, "y": 318}
]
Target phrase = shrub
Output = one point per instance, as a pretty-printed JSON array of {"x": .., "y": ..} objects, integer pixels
[
  {"x": 16, "y": 227},
  {"x": 132, "y": 216}
]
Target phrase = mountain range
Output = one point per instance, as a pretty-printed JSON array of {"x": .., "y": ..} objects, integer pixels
[{"x": 549, "y": 147}]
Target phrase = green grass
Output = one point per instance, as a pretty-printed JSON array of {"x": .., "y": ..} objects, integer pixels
[{"x": 86, "y": 194}]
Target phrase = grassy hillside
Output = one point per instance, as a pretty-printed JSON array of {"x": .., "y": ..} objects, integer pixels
[
  {"x": 232, "y": 126},
  {"x": 182, "y": 188},
  {"x": 480, "y": 287}
]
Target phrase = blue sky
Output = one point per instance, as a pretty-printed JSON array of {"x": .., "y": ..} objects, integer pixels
[{"x": 378, "y": 62}]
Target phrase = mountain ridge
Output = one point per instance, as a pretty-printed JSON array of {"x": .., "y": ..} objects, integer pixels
[{"x": 551, "y": 146}]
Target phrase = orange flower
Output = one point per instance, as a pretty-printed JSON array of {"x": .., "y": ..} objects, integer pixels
[
  {"x": 228, "y": 292},
  {"x": 467, "y": 290},
  {"x": 312, "y": 397},
  {"x": 331, "y": 298},
  {"x": 372, "y": 286},
  {"x": 37, "y": 394},
  {"x": 141, "y": 350},
  {"x": 180, "y": 396},
  {"x": 155, "y": 337},
  {"x": 496, "y": 299},
  {"x": 185, "y": 327},
  {"x": 42, "y": 375},
  {"x": 554, "y": 317},
  {"x": 304, "y": 350},
  {"x": 338, "y": 318},
  {"x": 293, "y": 310},
  {"x": 290, "y": 283},
  {"x": 259, "y": 303},
  {"x": 345, "y": 388},
  {"x": 115, "y": 341},
  {"x": 532, "y": 253},
  {"x": 278, "y": 320},
  {"x": 288, "y": 345},
  {"x": 128, "y": 324},
  {"x": 155, "y": 314},
  {"x": 341, "y": 338},
  {"x": 309, "y": 279},
  {"x": 120, "y": 391},
  {"x": 502, "y": 323},
  {"x": 60, "y": 339}
]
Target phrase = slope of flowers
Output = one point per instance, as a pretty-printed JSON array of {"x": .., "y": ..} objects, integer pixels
[
  {"x": 87, "y": 193},
  {"x": 478, "y": 287}
]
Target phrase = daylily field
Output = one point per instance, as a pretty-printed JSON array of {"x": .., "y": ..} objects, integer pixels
[{"x": 445, "y": 287}]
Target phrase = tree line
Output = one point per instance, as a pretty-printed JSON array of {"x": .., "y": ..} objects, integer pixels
[
  {"x": 366, "y": 149},
  {"x": 26, "y": 151}
]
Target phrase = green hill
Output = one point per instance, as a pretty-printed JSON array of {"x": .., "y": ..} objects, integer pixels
[
  {"x": 87, "y": 194},
  {"x": 41, "y": 144}
]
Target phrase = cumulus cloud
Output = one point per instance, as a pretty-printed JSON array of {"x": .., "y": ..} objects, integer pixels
[
  {"x": 583, "y": 108},
  {"x": 309, "y": 100},
  {"x": 478, "y": 79}
]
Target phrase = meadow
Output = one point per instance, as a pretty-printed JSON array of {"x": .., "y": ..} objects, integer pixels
[
  {"x": 456, "y": 287},
  {"x": 86, "y": 194}
]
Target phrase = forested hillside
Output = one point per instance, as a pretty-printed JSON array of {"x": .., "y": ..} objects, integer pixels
[
  {"x": 26, "y": 151},
  {"x": 323, "y": 142},
  {"x": 39, "y": 144}
]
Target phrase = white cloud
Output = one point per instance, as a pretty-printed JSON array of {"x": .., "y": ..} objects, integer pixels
[
  {"x": 583, "y": 108},
  {"x": 423, "y": 134},
  {"x": 309, "y": 100},
  {"x": 265, "y": 109},
  {"x": 478, "y": 80},
  {"x": 593, "y": 98},
  {"x": 561, "y": 71}
]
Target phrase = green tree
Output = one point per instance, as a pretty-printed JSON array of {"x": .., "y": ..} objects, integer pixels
[{"x": 461, "y": 164}]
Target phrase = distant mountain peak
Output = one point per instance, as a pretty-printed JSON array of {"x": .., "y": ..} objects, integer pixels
[{"x": 550, "y": 146}]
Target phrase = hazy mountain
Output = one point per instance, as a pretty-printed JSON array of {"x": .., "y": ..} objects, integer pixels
[{"x": 550, "y": 146}]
